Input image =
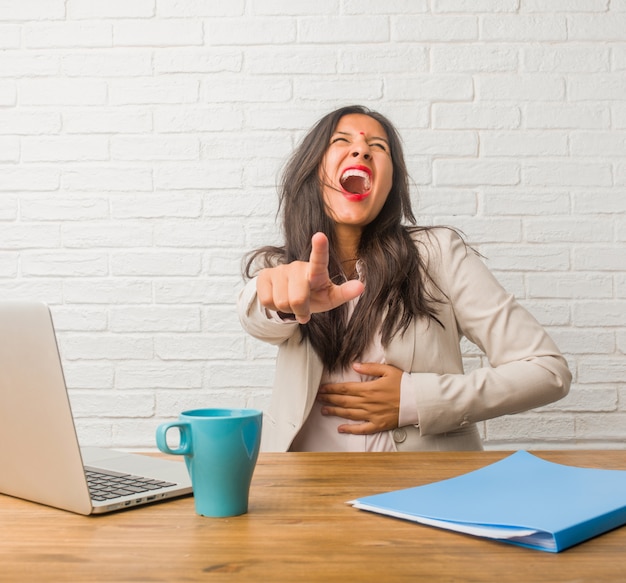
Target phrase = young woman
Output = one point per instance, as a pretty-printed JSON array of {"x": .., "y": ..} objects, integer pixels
[{"x": 368, "y": 310}]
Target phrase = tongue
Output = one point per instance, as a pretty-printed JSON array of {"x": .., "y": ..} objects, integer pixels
[{"x": 354, "y": 184}]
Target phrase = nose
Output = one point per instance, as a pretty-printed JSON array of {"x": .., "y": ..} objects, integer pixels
[{"x": 361, "y": 148}]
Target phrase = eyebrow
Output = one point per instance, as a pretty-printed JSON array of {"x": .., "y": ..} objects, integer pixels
[{"x": 370, "y": 139}]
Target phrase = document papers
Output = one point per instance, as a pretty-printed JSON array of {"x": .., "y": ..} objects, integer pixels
[{"x": 521, "y": 499}]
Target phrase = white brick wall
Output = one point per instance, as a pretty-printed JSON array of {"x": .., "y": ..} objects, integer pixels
[{"x": 140, "y": 142}]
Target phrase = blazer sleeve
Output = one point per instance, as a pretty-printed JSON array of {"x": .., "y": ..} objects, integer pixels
[
  {"x": 526, "y": 368},
  {"x": 257, "y": 322}
]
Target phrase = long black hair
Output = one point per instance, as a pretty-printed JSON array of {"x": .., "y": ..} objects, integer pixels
[{"x": 393, "y": 269}]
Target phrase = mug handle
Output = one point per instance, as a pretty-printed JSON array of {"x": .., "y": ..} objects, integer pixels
[{"x": 184, "y": 430}]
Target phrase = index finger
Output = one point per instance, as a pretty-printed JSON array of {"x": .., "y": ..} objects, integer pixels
[{"x": 318, "y": 260}]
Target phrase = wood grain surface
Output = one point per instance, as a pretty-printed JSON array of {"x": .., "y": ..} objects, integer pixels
[{"x": 298, "y": 528}]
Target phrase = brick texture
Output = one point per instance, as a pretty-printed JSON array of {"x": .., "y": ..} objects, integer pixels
[{"x": 140, "y": 144}]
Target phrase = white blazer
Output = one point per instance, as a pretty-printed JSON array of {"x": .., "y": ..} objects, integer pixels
[{"x": 526, "y": 368}]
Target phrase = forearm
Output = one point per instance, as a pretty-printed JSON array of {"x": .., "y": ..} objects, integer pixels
[{"x": 445, "y": 402}]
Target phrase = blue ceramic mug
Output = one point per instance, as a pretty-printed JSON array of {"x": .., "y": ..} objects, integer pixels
[{"x": 221, "y": 447}]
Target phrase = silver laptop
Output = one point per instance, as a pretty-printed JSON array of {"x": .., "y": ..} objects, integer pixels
[{"x": 40, "y": 458}]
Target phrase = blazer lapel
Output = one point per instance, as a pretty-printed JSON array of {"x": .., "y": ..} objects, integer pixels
[
  {"x": 401, "y": 350},
  {"x": 315, "y": 369}
]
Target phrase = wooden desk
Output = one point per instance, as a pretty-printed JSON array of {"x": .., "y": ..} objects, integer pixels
[{"x": 298, "y": 529}]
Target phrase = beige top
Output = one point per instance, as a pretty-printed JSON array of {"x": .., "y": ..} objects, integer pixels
[{"x": 319, "y": 432}]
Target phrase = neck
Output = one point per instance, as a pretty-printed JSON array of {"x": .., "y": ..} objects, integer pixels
[{"x": 347, "y": 248}]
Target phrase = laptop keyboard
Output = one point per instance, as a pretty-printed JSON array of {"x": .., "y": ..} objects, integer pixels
[{"x": 105, "y": 484}]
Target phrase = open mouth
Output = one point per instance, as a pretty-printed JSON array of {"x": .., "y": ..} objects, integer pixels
[{"x": 356, "y": 181}]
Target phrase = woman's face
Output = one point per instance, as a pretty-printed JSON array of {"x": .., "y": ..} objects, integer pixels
[{"x": 356, "y": 171}]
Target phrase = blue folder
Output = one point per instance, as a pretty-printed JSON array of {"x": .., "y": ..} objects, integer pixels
[{"x": 521, "y": 499}]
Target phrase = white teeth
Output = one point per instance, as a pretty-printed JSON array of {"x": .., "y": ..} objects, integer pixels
[{"x": 356, "y": 172}]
